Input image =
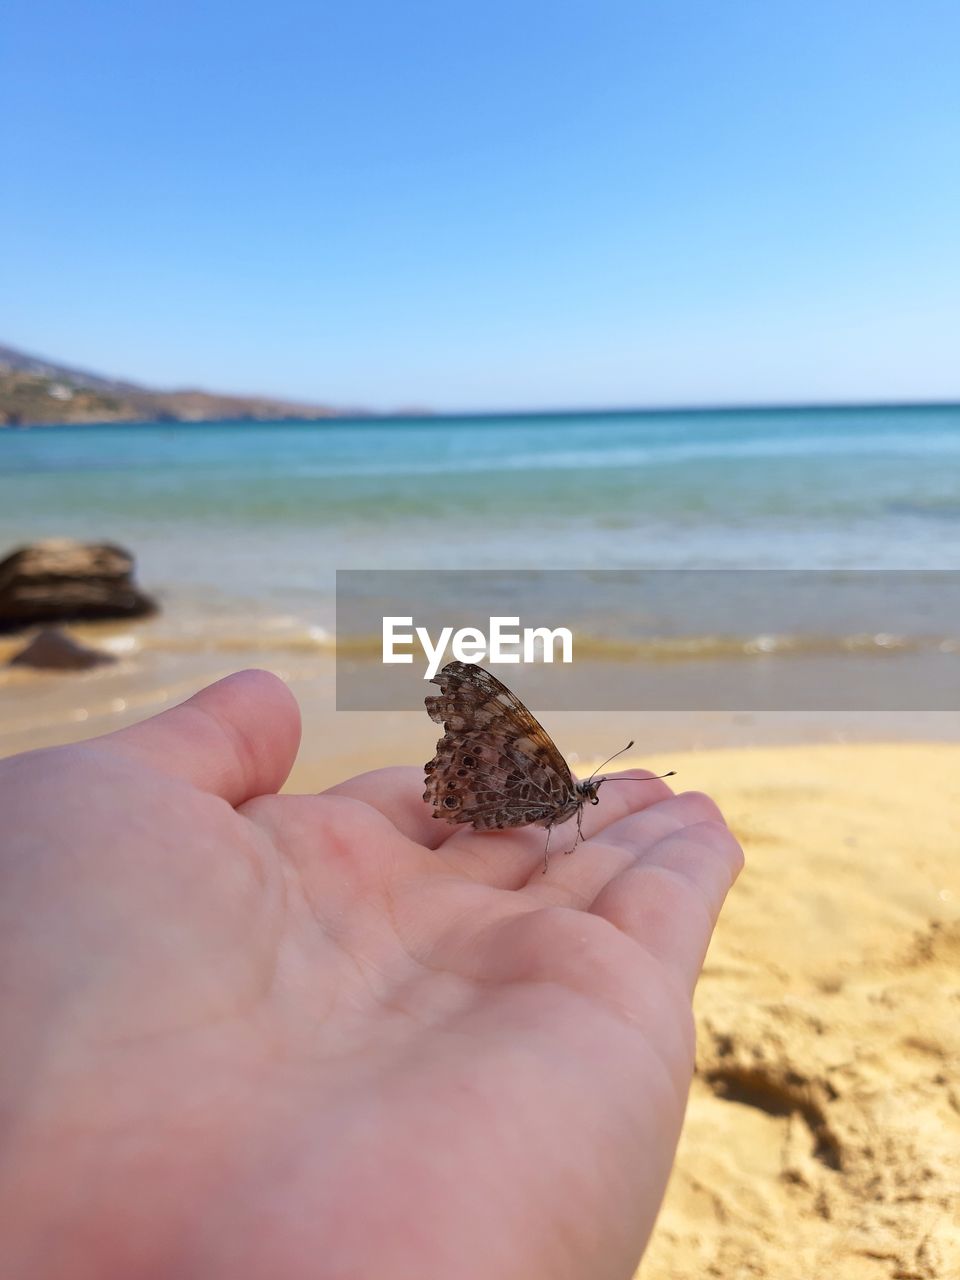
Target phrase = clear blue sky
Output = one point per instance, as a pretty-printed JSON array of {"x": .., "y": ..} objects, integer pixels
[{"x": 488, "y": 205}]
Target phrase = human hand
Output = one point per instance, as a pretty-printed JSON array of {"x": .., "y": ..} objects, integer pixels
[{"x": 250, "y": 1035}]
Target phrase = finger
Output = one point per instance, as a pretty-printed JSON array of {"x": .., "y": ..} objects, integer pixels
[
  {"x": 397, "y": 793},
  {"x": 510, "y": 859},
  {"x": 669, "y": 900},
  {"x": 639, "y": 831},
  {"x": 577, "y": 880},
  {"x": 237, "y": 738},
  {"x": 503, "y": 858},
  {"x": 342, "y": 847},
  {"x": 624, "y": 793}
]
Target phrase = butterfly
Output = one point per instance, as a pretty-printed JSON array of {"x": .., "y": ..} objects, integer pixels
[{"x": 496, "y": 766}]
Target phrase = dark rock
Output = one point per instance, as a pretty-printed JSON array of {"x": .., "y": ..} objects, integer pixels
[
  {"x": 52, "y": 650},
  {"x": 59, "y": 580}
]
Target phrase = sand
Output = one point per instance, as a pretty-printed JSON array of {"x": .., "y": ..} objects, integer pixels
[{"x": 823, "y": 1132}]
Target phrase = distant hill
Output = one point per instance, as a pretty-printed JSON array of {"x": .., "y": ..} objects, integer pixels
[{"x": 34, "y": 391}]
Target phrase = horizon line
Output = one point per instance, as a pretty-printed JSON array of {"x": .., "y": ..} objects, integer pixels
[
  {"x": 357, "y": 413},
  {"x": 359, "y": 418},
  {"x": 736, "y": 406}
]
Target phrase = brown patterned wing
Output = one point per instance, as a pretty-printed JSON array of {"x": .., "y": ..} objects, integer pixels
[{"x": 496, "y": 766}]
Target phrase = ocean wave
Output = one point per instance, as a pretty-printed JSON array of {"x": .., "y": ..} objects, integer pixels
[
  {"x": 590, "y": 456},
  {"x": 686, "y": 648},
  {"x": 593, "y": 648},
  {"x": 268, "y": 640}
]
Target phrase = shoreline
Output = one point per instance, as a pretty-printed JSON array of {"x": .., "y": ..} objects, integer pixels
[{"x": 41, "y": 709}]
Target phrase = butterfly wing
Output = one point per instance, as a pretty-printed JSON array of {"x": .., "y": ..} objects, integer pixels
[{"x": 496, "y": 765}]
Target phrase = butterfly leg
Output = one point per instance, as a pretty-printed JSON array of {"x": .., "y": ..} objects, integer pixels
[
  {"x": 546, "y": 850},
  {"x": 579, "y": 831}
]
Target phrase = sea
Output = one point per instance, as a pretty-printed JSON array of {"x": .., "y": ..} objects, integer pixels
[{"x": 239, "y": 528}]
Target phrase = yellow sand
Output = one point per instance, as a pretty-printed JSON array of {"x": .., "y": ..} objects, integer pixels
[{"x": 823, "y": 1133}]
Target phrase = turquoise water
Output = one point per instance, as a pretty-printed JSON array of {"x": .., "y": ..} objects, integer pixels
[{"x": 266, "y": 512}]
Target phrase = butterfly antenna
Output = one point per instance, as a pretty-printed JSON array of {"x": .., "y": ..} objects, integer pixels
[
  {"x": 654, "y": 777},
  {"x": 613, "y": 757}
]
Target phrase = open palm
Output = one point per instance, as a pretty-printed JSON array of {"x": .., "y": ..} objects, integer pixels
[{"x": 252, "y": 1035}]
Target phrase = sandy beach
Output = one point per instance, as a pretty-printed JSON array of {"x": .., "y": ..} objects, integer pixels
[
  {"x": 823, "y": 1131},
  {"x": 612, "y": 347}
]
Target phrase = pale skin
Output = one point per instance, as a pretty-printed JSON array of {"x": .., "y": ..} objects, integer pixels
[{"x": 274, "y": 1037}]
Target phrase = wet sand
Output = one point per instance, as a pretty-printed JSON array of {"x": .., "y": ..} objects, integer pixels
[{"x": 162, "y": 661}]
